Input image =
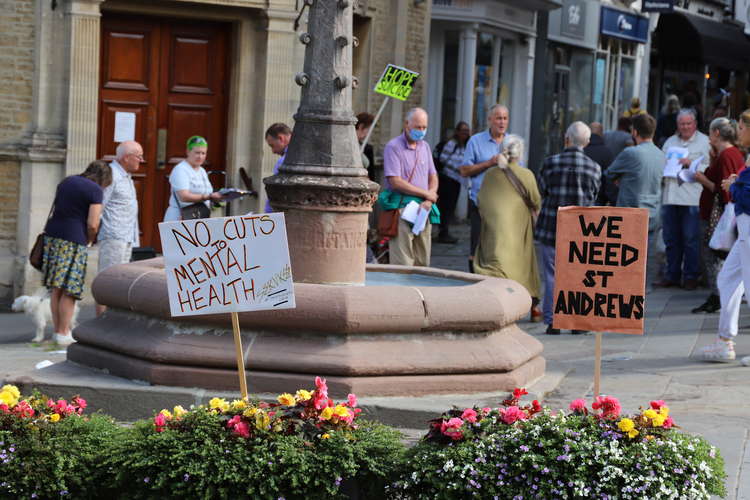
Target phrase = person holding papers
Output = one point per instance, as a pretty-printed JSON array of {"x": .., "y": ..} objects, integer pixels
[
  {"x": 509, "y": 201},
  {"x": 726, "y": 161},
  {"x": 679, "y": 212},
  {"x": 410, "y": 176}
]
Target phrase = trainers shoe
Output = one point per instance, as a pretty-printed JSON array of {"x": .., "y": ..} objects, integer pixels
[
  {"x": 720, "y": 352},
  {"x": 536, "y": 314},
  {"x": 64, "y": 340},
  {"x": 745, "y": 361}
]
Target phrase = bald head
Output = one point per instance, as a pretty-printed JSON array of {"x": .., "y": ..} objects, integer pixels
[
  {"x": 596, "y": 128},
  {"x": 127, "y": 148}
]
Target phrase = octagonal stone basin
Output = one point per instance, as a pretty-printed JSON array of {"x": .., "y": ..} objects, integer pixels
[{"x": 408, "y": 331}]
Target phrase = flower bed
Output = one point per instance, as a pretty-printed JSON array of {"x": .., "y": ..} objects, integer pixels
[
  {"x": 524, "y": 452},
  {"x": 305, "y": 445}
]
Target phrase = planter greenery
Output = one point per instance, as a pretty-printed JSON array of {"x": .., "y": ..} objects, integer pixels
[
  {"x": 524, "y": 452},
  {"x": 302, "y": 447},
  {"x": 48, "y": 449}
]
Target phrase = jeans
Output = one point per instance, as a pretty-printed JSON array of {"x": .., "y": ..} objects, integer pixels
[
  {"x": 548, "y": 276},
  {"x": 448, "y": 191},
  {"x": 681, "y": 228}
]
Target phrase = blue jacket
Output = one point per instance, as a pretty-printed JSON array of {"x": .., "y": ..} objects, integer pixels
[{"x": 740, "y": 191}]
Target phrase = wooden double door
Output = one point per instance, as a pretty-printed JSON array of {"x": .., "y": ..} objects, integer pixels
[{"x": 171, "y": 78}]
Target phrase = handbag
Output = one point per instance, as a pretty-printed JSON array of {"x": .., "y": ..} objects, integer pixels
[
  {"x": 725, "y": 233},
  {"x": 36, "y": 255},
  {"x": 194, "y": 211},
  {"x": 388, "y": 219}
]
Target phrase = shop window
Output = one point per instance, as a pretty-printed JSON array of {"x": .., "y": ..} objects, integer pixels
[{"x": 492, "y": 78}]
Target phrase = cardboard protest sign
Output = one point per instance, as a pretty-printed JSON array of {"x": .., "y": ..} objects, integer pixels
[
  {"x": 600, "y": 269},
  {"x": 396, "y": 82},
  {"x": 227, "y": 264}
]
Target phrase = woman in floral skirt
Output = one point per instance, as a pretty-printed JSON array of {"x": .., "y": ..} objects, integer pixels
[{"x": 71, "y": 227}]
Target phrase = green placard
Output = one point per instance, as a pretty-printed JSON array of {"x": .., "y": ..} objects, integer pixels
[{"x": 396, "y": 82}]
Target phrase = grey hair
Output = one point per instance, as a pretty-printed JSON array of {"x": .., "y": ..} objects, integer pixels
[
  {"x": 688, "y": 112},
  {"x": 727, "y": 129},
  {"x": 514, "y": 147},
  {"x": 578, "y": 134},
  {"x": 495, "y": 107},
  {"x": 410, "y": 114},
  {"x": 123, "y": 149},
  {"x": 672, "y": 105}
]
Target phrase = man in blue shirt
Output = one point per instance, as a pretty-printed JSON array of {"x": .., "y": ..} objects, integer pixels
[
  {"x": 278, "y": 137},
  {"x": 482, "y": 152}
]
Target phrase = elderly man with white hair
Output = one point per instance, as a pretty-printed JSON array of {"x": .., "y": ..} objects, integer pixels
[
  {"x": 119, "y": 229},
  {"x": 568, "y": 178},
  {"x": 410, "y": 175}
]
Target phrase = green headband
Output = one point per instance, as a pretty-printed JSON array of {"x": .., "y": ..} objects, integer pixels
[{"x": 196, "y": 141}]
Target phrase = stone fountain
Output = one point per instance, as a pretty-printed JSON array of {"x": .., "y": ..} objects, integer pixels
[{"x": 375, "y": 330}]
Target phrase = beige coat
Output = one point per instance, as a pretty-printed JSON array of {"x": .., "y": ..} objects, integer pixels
[{"x": 506, "y": 242}]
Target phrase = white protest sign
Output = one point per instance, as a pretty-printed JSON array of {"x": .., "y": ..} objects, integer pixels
[{"x": 227, "y": 264}]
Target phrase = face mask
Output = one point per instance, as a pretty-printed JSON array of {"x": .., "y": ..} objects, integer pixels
[{"x": 417, "y": 135}]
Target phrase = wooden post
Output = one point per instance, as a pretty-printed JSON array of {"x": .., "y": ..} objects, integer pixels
[
  {"x": 240, "y": 355},
  {"x": 597, "y": 364}
]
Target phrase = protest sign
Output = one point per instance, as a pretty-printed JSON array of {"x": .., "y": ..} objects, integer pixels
[
  {"x": 227, "y": 264},
  {"x": 600, "y": 269},
  {"x": 396, "y": 82}
]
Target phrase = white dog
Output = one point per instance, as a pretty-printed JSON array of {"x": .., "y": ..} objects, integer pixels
[{"x": 37, "y": 307}]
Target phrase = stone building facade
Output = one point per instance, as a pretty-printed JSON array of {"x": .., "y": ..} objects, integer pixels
[{"x": 67, "y": 67}]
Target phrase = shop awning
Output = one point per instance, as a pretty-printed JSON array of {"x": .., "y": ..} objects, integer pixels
[{"x": 688, "y": 37}]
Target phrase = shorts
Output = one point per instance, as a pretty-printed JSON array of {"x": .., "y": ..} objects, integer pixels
[{"x": 113, "y": 252}]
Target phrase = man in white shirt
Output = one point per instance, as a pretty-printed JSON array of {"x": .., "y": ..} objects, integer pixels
[
  {"x": 119, "y": 231},
  {"x": 679, "y": 213}
]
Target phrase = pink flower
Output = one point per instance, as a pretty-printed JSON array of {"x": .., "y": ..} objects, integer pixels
[
  {"x": 656, "y": 405},
  {"x": 512, "y": 414},
  {"x": 159, "y": 422},
  {"x": 609, "y": 405},
  {"x": 486, "y": 410},
  {"x": 320, "y": 384},
  {"x": 80, "y": 403},
  {"x": 469, "y": 415},
  {"x": 578, "y": 405},
  {"x": 239, "y": 426},
  {"x": 320, "y": 401},
  {"x": 352, "y": 400},
  {"x": 452, "y": 428},
  {"x": 668, "y": 423}
]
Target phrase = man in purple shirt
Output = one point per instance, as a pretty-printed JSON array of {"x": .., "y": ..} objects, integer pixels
[
  {"x": 278, "y": 136},
  {"x": 409, "y": 170}
]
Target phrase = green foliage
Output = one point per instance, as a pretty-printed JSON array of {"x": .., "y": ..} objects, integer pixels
[
  {"x": 202, "y": 459},
  {"x": 54, "y": 460},
  {"x": 575, "y": 456}
]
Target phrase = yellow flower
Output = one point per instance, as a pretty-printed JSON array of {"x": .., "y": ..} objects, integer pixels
[
  {"x": 325, "y": 436},
  {"x": 303, "y": 395},
  {"x": 658, "y": 420},
  {"x": 13, "y": 390},
  {"x": 250, "y": 412},
  {"x": 239, "y": 404},
  {"x": 287, "y": 399},
  {"x": 178, "y": 411},
  {"x": 8, "y": 398},
  {"x": 166, "y": 413},
  {"x": 664, "y": 410},
  {"x": 649, "y": 438},
  {"x": 649, "y": 413},
  {"x": 262, "y": 420},
  {"x": 327, "y": 413},
  {"x": 626, "y": 425},
  {"x": 218, "y": 404},
  {"x": 341, "y": 411},
  {"x": 632, "y": 434},
  {"x": 54, "y": 417}
]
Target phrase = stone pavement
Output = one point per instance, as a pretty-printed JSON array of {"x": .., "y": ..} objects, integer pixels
[{"x": 710, "y": 399}]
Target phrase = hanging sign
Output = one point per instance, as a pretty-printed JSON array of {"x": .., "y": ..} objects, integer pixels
[
  {"x": 227, "y": 264},
  {"x": 600, "y": 269},
  {"x": 396, "y": 82}
]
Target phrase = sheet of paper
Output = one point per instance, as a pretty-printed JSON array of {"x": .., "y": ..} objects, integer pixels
[
  {"x": 674, "y": 155},
  {"x": 420, "y": 221},
  {"x": 409, "y": 212},
  {"x": 688, "y": 174},
  {"x": 124, "y": 126}
]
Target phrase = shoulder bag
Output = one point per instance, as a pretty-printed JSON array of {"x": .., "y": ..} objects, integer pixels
[
  {"x": 520, "y": 189},
  {"x": 388, "y": 219},
  {"x": 36, "y": 255},
  {"x": 194, "y": 211}
]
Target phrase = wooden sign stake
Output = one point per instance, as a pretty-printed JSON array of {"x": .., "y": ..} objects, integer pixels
[
  {"x": 240, "y": 356},
  {"x": 597, "y": 364}
]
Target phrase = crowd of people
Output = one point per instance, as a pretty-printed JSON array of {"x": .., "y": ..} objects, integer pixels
[{"x": 513, "y": 212}]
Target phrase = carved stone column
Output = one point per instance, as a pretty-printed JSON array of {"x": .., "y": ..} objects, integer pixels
[
  {"x": 83, "y": 89},
  {"x": 322, "y": 187}
]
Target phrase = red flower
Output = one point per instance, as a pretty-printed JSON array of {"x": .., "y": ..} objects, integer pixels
[
  {"x": 609, "y": 405},
  {"x": 452, "y": 428},
  {"x": 668, "y": 423},
  {"x": 159, "y": 422},
  {"x": 469, "y": 415},
  {"x": 535, "y": 406},
  {"x": 656, "y": 405},
  {"x": 517, "y": 393},
  {"x": 512, "y": 414},
  {"x": 578, "y": 406}
]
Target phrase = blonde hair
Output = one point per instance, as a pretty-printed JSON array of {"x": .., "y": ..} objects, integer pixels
[{"x": 745, "y": 117}]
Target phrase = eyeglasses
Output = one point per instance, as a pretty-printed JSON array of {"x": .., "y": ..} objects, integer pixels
[{"x": 137, "y": 155}]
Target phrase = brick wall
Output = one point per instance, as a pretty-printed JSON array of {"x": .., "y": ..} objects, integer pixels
[
  {"x": 10, "y": 185},
  {"x": 16, "y": 67}
]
